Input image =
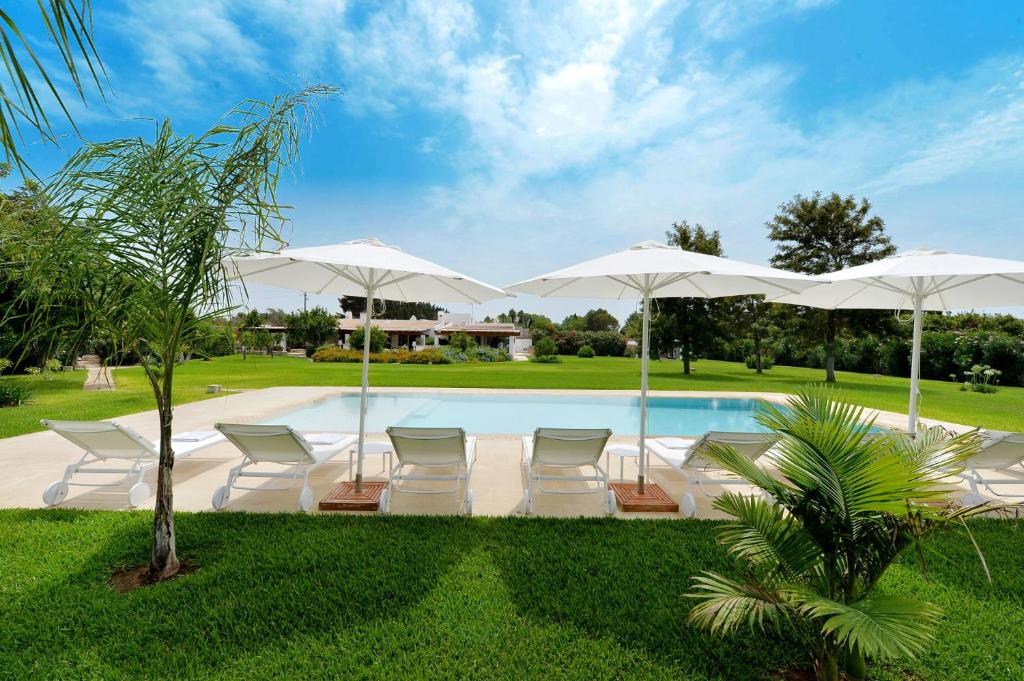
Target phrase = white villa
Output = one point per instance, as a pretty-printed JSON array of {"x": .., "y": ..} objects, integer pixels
[{"x": 413, "y": 333}]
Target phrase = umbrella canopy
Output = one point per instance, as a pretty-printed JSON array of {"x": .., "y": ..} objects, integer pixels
[
  {"x": 349, "y": 269},
  {"x": 364, "y": 267},
  {"x": 919, "y": 280},
  {"x": 654, "y": 270}
]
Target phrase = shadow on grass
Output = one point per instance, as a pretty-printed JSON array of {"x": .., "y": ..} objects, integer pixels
[
  {"x": 627, "y": 580},
  {"x": 413, "y": 597},
  {"x": 264, "y": 580}
]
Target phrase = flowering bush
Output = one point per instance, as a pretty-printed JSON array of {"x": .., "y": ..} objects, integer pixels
[{"x": 402, "y": 356}]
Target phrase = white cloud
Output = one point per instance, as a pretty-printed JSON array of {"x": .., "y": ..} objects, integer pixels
[{"x": 576, "y": 128}]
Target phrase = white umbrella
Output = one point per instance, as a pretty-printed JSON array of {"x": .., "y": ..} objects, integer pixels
[
  {"x": 364, "y": 267},
  {"x": 919, "y": 280},
  {"x": 653, "y": 270}
]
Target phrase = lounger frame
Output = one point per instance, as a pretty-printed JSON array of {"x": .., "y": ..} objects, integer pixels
[
  {"x": 534, "y": 458},
  {"x": 143, "y": 457},
  {"x": 302, "y": 459},
  {"x": 404, "y": 441}
]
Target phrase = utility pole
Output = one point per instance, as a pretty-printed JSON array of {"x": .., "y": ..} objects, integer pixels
[{"x": 305, "y": 297}]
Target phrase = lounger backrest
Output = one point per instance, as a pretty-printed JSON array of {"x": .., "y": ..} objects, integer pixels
[
  {"x": 268, "y": 443},
  {"x": 751, "y": 445},
  {"x": 429, "y": 446},
  {"x": 999, "y": 452},
  {"x": 569, "y": 446},
  {"x": 104, "y": 439}
]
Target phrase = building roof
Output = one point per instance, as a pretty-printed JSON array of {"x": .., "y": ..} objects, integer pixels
[
  {"x": 479, "y": 329},
  {"x": 422, "y": 326},
  {"x": 416, "y": 326}
]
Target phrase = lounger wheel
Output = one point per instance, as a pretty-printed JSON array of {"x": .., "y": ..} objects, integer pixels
[
  {"x": 306, "y": 499},
  {"x": 469, "y": 503},
  {"x": 55, "y": 493},
  {"x": 609, "y": 501},
  {"x": 973, "y": 499},
  {"x": 527, "y": 503},
  {"x": 220, "y": 497},
  {"x": 688, "y": 505},
  {"x": 138, "y": 494}
]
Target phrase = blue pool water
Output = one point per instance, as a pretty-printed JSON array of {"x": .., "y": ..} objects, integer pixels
[{"x": 520, "y": 414}]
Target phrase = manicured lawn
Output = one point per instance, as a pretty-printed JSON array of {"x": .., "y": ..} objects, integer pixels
[
  {"x": 943, "y": 400},
  {"x": 292, "y": 596}
]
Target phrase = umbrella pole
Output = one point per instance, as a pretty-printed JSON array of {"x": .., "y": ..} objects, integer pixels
[
  {"x": 367, "y": 335},
  {"x": 915, "y": 366},
  {"x": 645, "y": 340}
]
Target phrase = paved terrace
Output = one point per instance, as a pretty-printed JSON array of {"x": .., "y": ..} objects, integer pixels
[{"x": 28, "y": 463}]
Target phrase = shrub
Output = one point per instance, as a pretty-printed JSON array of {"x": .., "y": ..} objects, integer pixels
[
  {"x": 378, "y": 339},
  {"x": 462, "y": 342},
  {"x": 401, "y": 356},
  {"x": 605, "y": 343},
  {"x": 454, "y": 356},
  {"x": 5, "y": 364},
  {"x": 545, "y": 347},
  {"x": 13, "y": 394},
  {"x": 567, "y": 342},
  {"x": 33, "y": 371},
  {"x": 767, "y": 362},
  {"x": 546, "y": 359},
  {"x": 429, "y": 340},
  {"x": 585, "y": 351},
  {"x": 488, "y": 355}
]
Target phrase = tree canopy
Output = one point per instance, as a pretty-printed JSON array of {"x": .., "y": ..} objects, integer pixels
[{"x": 817, "y": 235}]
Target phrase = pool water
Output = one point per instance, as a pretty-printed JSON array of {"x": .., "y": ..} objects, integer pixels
[{"x": 504, "y": 413}]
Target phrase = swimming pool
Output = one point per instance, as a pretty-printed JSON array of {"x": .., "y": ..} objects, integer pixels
[{"x": 509, "y": 414}]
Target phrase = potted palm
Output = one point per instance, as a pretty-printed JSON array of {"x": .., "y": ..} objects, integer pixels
[{"x": 843, "y": 504}]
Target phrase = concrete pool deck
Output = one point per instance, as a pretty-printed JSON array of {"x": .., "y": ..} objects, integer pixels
[{"x": 28, "y": 463}]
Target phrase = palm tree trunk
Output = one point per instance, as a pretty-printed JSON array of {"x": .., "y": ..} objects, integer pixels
[
  {"x": 163, "y": 563},
  {"x": 830, "y": 346}
]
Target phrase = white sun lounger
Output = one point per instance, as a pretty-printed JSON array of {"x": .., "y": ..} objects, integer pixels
[
  {"x": 566, "y": 448},
  {"x": 431, "y": 448},
  {"x": 105, "y": 442},
  {"x": 1000, "y": 451},
  {"x": 274, "y": 444},
  {"x": 685, "y": 455}
]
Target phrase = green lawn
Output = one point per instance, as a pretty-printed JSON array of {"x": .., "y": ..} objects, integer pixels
[
  {"x": 63, "y": 397},
  {"x": 293, "y": 596}
]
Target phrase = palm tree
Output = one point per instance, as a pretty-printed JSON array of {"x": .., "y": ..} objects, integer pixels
[
  {"x": 157, "y": 218},
  {"x": 845, "y": 504},
  {"x": 68, "y": 23}
]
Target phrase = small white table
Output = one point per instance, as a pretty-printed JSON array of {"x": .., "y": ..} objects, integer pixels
[
  {"x": 381, "y": 448},
  {"x": 623, "y": 452}
]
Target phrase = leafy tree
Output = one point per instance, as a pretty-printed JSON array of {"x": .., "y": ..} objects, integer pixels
[
  {"x": 162, "y": 215},
  {"x": 31, "y": 329},
  {"x": 392, "y": 309},
  {"x": 601, "y": 320},
  {"x": 818, "y": 235},
  {"x": 755, "y": 319},
  {"x": 690, "y": 323},
  {"x": 841, "y": 507},
  {"x": 633, "y": 328},
  {"x": 311, "y": 328},
  {"x": 252, "y": 319},
  {"x": 68, "y": 24},
  {"x": 378, "y": 339},
  {"x": 573, "y": 322}
]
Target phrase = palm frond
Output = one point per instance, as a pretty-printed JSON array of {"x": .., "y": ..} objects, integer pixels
[
  {"x": 725, "y": 605},
  {"x": 69, "y": 26},
  {"x": 879, "y": 626},
  {"x": 767, "y": 537}
]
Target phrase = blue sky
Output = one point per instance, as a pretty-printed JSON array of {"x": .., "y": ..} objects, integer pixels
[{"x": 507, "y": 139}]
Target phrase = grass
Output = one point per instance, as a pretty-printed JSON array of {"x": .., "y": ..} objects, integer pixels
[
  {"x": 63, "y": 395},
  {"x": 406, "y": 597}
]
